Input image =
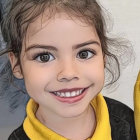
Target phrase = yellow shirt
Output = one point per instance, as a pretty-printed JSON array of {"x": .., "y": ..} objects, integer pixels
[
  {"x": 137, "y": 106},
  {"x": 35, "y": 130}
]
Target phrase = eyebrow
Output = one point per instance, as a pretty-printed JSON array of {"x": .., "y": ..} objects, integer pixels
[{"x": 52, "y": 48}]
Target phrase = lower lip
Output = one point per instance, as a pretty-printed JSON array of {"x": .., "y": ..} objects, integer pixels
[{"x": 71, "y": 100}]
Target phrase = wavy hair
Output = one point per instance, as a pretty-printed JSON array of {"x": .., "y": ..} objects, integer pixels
[{"x": 15, "y": 24}]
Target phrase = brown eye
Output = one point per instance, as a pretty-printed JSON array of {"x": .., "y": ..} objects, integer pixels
[
  {"x": 86, "y": 54},
  {"x": 44, "y": 57},
  {"x": 83, "y": 54}
]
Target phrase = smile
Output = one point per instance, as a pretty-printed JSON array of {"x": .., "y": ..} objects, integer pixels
[{"x": 69, "y": 94}]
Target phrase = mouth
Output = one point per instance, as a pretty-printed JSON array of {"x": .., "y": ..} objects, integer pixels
[
  {"x": 69, "y": 93},
  {"x": 70, "y": 96}
]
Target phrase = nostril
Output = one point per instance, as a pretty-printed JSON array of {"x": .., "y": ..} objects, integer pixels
[
  {"x": 67, "y": 74},
  {"x": 66, "y": 78}
]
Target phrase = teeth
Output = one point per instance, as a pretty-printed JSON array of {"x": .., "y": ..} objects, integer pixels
[
  {"x": 62, "y": 94},
  {"x": 58, "y": 93},
  {"x": 73, "y": 94},
  {"x": 78, "y": 92},
  {"x": 69, "y": 94}
]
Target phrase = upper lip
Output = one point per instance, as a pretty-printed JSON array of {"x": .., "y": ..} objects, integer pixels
[{"x": 69, "y": 90}]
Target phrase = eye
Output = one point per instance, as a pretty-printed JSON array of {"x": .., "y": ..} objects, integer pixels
[
  {"x": 86, "y": 54},
  {"x": 44, "y": 57}
]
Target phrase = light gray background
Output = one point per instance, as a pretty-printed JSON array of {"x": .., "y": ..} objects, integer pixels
[{"x": 126, "y": 20}]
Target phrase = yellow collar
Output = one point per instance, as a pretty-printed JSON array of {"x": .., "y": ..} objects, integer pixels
[
  {"x": 35, "y": 130},
  {"x": 137, "y": 106}
]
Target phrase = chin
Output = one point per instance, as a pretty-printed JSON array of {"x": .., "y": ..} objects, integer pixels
[{"x": 73, "y": 112}]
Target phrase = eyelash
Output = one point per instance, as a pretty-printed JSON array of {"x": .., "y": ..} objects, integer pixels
[
  {"x": 93, "y": 52},
  {"x": 38, "y": 55}
]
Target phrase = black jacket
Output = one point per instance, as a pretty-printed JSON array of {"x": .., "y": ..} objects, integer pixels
[{"x": 121, "y": 120}]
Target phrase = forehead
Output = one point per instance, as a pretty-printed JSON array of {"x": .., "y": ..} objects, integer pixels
[
  {"x": 44, "y": 19},
  {"x": 59, "y": 29}
]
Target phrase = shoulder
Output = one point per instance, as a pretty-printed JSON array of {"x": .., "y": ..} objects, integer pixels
[
  {"x": 119, "y": 109},
  {"x": 18, "y": 134},
  {"x": 121, "y": 120}
]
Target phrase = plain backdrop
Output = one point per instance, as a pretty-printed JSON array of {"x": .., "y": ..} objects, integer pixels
[{"x": 125, "y": 16}]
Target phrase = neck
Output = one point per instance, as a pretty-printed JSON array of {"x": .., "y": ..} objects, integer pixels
[{"x": 78, "y": 127}]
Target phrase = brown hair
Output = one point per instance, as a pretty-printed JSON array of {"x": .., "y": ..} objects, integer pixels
[{"x": 23, "y": 12}]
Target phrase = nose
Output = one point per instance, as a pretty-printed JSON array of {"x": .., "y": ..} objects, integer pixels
[{"x": 67, "y": 72}]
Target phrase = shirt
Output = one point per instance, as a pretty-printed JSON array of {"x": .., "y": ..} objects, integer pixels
[{"x": 35, "y": 130}]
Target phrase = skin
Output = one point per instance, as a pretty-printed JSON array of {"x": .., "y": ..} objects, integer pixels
[{"x": 65, "y": 69}]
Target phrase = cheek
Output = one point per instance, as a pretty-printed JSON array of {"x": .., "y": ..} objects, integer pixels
[
  {"x": 95, "y": 72},
  {"x": 36, "y": 78}
]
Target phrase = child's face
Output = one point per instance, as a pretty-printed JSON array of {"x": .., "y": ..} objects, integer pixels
[{"x": 62, "y": 54}]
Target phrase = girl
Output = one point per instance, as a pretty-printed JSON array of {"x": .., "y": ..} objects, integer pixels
[{"x": 60, "y": 49}]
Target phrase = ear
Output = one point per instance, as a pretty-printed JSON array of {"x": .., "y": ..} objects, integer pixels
[{"x": 16, "y": 68}]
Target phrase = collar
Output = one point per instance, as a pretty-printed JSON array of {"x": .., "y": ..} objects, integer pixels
[
  {"x": 137, "y": 106},
  {"x": 35, "y": 130}
]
